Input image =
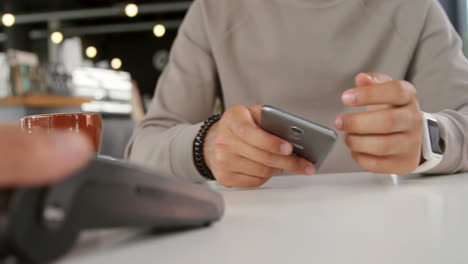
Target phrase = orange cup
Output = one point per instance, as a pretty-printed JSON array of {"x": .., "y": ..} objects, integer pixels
[{"x": 88, "y": 124}]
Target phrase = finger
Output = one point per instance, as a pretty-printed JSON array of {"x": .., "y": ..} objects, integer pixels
[
  {"x": 237, "y": 180},
  {"x": 377, "y": 107},
  {"x": 400, "y": 165},
  {"x": 370, "y": 78},
  {"x": 243, "y": 126},
  {"x": 241, "y": 165},
  {"x": 12, "y": 124},
  {"x": 380, "y": 122},
  {"x": 379, "y": 145},
  {"x": 291, "y": 163},
  {"x": 395, "y": 93},
  {"x": 38, "y": 159}
]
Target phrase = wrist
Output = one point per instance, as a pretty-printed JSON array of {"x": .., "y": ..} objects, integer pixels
[
  {"x": 199, "y": 148},
  {"x": 433, "y": 146},
  {"x": 208, "y": 146}
]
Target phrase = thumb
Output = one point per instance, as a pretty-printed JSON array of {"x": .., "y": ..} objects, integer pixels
[
  {"x": 369, "y": 78},
  {"x": 256, "y": 112}
]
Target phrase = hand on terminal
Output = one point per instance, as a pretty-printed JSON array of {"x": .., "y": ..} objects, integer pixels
[
  {"x": 39, "y": 159},
  {"x": 241, "y": 155},
  {"x": 386, "y": 138}
]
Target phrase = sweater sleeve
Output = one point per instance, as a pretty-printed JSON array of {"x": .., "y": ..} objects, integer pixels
[
  {"x": 184, "y": 97},
  {"x": 439, "y": 70}
]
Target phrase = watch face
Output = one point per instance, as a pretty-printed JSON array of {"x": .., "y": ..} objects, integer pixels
[{"x": 434, "y": 136}]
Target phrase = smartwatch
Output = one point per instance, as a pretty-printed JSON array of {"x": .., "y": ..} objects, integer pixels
[{"x": 433, "y": 147}]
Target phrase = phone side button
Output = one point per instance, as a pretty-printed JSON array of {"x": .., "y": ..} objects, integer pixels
[{"x": 297, "y": 146}]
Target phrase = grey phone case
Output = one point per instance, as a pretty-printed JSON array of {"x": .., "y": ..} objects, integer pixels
[{"x": 310, "y": 140}]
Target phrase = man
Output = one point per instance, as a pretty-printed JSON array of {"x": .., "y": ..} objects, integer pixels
[
  {"x": 402, "y": 57},
  {"x": 35, "y": 160}
]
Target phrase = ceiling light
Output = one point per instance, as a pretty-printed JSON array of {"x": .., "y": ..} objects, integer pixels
[
  {"x": 56, "y": 37},
  {"x": 131, "y": 10},
  {"x": 116, "y": 63},
  {"x": 159, "y": 30},
  {"x": 8, "y": 19},
  {"x": 91, "y": 52}
]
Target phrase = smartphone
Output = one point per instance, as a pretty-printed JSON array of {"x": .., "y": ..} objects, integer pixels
[{"x": 310, "y": 140}]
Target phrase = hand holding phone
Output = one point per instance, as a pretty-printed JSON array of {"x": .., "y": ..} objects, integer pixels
[
  {"x": 240, "y": 154},
  {"x": 310, "y": 140}
]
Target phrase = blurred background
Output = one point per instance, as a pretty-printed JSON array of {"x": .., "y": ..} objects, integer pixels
[
  {"x": 97, "y": 56},
  {"x": 85, "y": 56}
]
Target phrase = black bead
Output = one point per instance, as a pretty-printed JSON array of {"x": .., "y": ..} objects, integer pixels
[{"x": 198, "y": 147}]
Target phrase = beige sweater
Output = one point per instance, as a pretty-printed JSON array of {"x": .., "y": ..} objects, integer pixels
[{"x": 300, "y": 55}]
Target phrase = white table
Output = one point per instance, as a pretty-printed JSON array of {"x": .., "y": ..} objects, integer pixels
[{"x": 334, "y": 218}]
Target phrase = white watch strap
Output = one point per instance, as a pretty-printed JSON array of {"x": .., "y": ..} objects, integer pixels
[
  {"x": 427, "y": 165},
  {"x": 432, "y": 159}
]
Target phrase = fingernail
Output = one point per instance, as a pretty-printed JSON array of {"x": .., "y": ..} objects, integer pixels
[
  {"x": 69, "y": 145},
  {"x": 368, "y": 77},
  {"x": 348, "y": 98},
  {"x": 286, "y": 148},
  {"x": 310, "y": 170},
  {"x": 339, "y": 122}
]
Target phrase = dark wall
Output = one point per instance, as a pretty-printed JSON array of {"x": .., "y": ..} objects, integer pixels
[
  {"x": 136, "y": 50},
  {"x": 28, "y": 6},
  {"x": 456, "y": 11},
  {"x": 450, "y": 7}
]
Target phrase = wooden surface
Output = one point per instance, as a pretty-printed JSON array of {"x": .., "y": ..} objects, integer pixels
[{"x": 43, "y": 101}]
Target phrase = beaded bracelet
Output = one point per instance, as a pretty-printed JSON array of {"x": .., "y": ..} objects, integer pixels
[{"x": 198, "y": 148}]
